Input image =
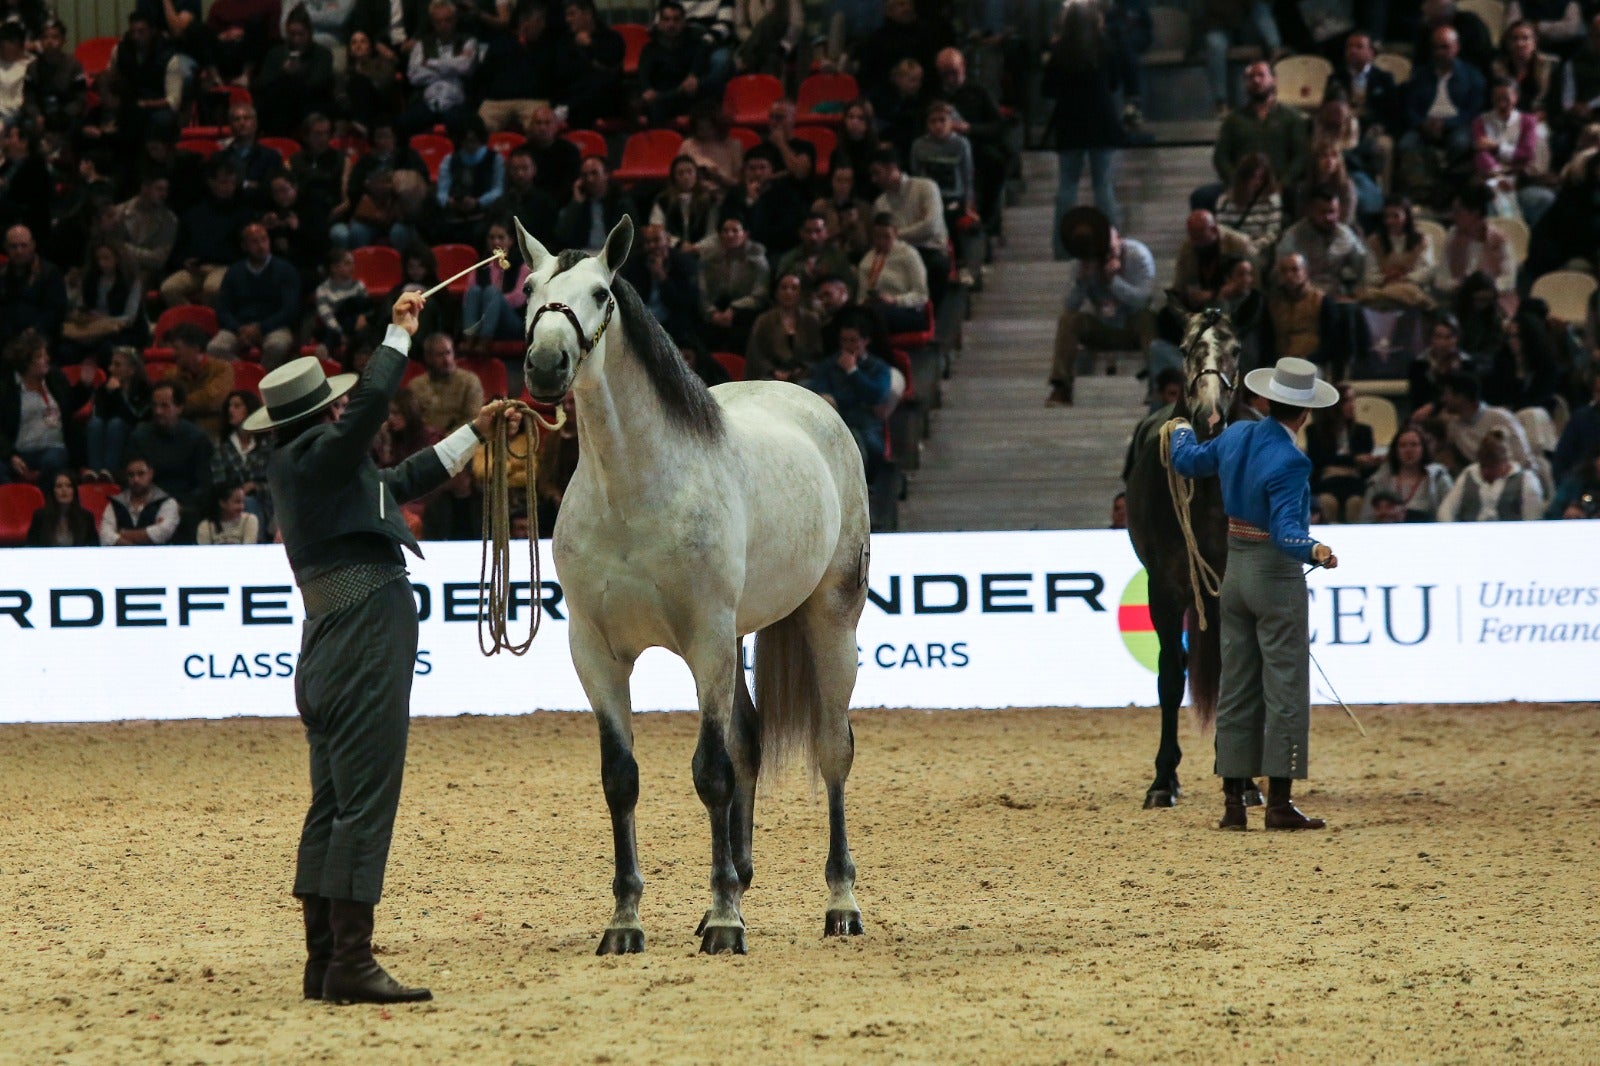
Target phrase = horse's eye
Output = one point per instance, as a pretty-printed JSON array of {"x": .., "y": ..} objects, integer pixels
[
  {"x": 599, "y": 297},
  {"x": 527, "y": 287}
]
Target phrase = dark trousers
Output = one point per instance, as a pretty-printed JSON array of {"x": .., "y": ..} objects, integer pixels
[{"x": 353, "y": 690}]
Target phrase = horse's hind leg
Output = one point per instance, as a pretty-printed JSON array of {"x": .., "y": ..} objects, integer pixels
[
  {"x": 714, "y": 665},
  {"x": 605, "y": 680},
  {"x": 833, "y": 649},
  {"x": 1167, "y": 617},
  {"x": 744, "y": 745}
]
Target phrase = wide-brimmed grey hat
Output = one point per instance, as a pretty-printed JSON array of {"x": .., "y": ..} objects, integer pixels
[
  {"x": 1294, "y": 382},
  {"x": 297, "y": 389}
]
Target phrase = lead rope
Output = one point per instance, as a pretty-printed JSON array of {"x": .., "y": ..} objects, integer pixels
[
  {"x": 1202, "y": 577},
  {"x": 494, "y": 570}
]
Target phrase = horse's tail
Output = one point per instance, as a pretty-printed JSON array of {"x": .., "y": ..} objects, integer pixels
[
  {"x": 788, "y": 700},
  {"x": 1205, "y": 663}
]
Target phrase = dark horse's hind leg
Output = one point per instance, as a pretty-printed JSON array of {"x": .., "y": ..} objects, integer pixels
[
  {"x": 744, "y": 745},
  {"x": 1167, "y": 617}
]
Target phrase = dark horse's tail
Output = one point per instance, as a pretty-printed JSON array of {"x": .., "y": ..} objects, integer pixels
[{"x": 1205, "y": 663}]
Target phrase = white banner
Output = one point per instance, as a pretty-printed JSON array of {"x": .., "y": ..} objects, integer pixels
[{"x": 1414, "y": 614}]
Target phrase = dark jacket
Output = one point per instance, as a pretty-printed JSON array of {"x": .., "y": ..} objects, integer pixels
[
  {"x": 37, "y": 300},
  {"x": 180, "y": 458},
  {"x": 574, "y": 223},
  {"x": 269, "y": 299},
  {"x": 858, "y": 395},
  {"x": 1322, "y": 453},
  {"x": 1086, "y": 111},
  {"x": 81, "y": 526},
  {"x": 326, "y": 486},
  {"x": 209, "y": 231},
  {"x": 68, "y": 398},
  {"x": 514, "y": 69},
  {"x": 1382, "y": 101},
  {"x": 557, "y": 168},
  {"x": 675, "y": 300},
  {"x": 663, "y": 64},
  {"x": 1466, "y": 92}
]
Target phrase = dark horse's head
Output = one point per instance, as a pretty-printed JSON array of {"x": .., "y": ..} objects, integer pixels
[{"x": 1211, "y": 352}]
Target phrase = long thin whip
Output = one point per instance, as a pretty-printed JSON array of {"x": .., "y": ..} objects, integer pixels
[
  {"x": 494, "y": 570},
  {"x": 499, "y": 257},
  {"x": 1324, "y": 674},
  {"x": 1203, "y": 578}
]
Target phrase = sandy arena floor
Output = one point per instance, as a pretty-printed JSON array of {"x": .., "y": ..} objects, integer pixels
[{"x": 1020, "y": 907}]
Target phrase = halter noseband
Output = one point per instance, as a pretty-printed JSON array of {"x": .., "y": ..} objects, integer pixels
[
  {"x": 1212, "y": 317},
  {"x": 585, "y": 343}
]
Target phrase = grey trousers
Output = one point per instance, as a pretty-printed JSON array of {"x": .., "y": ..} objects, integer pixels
[
  {"x": 1264, "y": 706},
  {"x": 353, "y": 690}
]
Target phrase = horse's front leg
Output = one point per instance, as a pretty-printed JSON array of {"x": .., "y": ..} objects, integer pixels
[
  {"x": 605, "y": 680},
  {"x": 713, "y": 665},
  {"x": 744, "y": 745},
  {"x": 1166, "y": 614}
]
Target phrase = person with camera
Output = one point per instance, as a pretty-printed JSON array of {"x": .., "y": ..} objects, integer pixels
[
  {"x": 343, "y": 529},
  {"x": 1264, "y": 708}
]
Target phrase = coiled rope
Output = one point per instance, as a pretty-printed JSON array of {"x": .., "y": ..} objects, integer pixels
[
  {"x": 1202, "y": 577},
  {"x": 494, "y": 571}
]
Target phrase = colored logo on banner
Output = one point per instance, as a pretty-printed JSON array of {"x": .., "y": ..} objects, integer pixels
[{"x": 1133, "y": 618}]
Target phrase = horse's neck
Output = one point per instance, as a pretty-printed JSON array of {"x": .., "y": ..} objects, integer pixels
[{"x": 623, "y": 434}]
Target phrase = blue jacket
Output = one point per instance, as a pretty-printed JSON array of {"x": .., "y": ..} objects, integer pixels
[
  {"x": 1466, "y": 92},
  {"x": 1266, "y": 480}
]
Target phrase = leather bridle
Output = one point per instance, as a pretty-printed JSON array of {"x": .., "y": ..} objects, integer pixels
[{"x": 585, "y": 343}]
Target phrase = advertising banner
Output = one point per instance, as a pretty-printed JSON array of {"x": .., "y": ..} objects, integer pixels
[{"x": 1414, "y": 614}]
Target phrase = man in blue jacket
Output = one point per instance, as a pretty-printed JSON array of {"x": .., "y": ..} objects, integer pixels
[
  {"x": 1264, "y": 708},
  {"x": 1442, "y": 98}
]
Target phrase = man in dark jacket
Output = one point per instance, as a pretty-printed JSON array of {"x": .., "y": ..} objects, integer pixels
[
  {"x": 596, "y": 207},
  {"x": 667, "y": 283},
  {"x": 139, "y": 70},
  {"x": 208, "y": 238},
  {"x": 525, "y": 199},
  {"x": 979, "y": 120},
  {"x": 671, "y": 66},
  {"x": 557, "y": 158},
  {"x": 258, "y": 304},
  {"x": 521, "y": 70},
  {"x": 296, "y": 77},
  {"x": 857, "y": 384},
  {"x": 178, "y": 451},
  {"x": 343, "y": 531},
  {"x": 32, "y": 292}
]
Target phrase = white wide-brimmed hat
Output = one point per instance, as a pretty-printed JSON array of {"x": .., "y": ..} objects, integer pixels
[
  {"x": 296, "y": 390},
  {"x": 1294, "y": 382}
]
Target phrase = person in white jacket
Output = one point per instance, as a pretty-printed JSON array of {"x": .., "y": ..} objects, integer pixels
[{"x": 893, "y": 279}]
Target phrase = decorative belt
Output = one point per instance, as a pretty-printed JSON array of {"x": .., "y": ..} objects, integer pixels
[
  {"x": 1245, "y": 531},
  {"x": 346, "y": 586}
]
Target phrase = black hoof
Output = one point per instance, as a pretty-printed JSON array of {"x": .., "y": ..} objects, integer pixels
[
  {"x": 721, "y": 939},
  {"x": 1159, "y": 797},
  {"x": 621, "y": 942},
  {"x": 842, "y": 923},
  {"x": 1252, "y": 795}
]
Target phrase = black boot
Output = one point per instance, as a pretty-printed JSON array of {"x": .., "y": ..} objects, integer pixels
[
  {"x": 354, "y": 976},
  {"x": 319, "y": 943},
  {"x": 1233, "y": 805},
  {"x": 1281, "y": 811}
]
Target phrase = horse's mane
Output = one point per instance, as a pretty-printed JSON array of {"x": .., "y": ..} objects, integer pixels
[{"x": 684, "y": 396}]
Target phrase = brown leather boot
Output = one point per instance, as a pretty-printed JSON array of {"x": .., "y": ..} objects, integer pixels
[
  {"x": 1233, "y": 805},
  {"x": 1281, "y": 811},
  {"x": 353, "y": 975},
  {"x": 319, "y": 943}
]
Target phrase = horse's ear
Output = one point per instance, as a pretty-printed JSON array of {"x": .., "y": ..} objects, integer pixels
[
  {"x": 618, "y": 244},
  {"x": 533, "y": 253},
  {"x": 1248, "y": 313},
  {"x": 1176, "y": 306}
]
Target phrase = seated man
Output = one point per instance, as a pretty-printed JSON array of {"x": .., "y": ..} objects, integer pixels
[
  {"x": 1199, "y": 275},
  {"x": 206, "y": 381},
  {"x": 665, "y": 280},
  {"x": 178, "y": 451},
  {"x": 1442, "y": 98},
  {"x": 892, "y": 280},
  {"x": 33, "y": 294},
  {"x": 596, "y": 207},
  {"x": 734, "y": 284},
  {"x": 1117, "y": 291},
  {"x": 1473, "y": 246},
  {"x": 448, "y": 396},
  {"x": 1470, "y": 421},
  {"x": 471, "y": 181},
  {"x": 671, "y": 66},
  {"x": 1493, "y": 489},
  {"x": 258, "y": 303},
  {"x": 1442, "y": 357},
  {"x": 1335, "y": 256},
  {"x": 857, "y": 384},
  {"x": 208, "y": 237},
  {"x": 141, "y": 513},
  {"x": 816, "y": 257},
  {"x": 767, "y": 200},
  {"x": 918, "y": 214},
  {"x": 1301, "y": 314},
  {"x": 977, "y": 118}
]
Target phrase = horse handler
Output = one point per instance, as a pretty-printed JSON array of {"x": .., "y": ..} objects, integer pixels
[
  {"x": 1264, "y": 707},
  {"x": 343, "y": 530}
]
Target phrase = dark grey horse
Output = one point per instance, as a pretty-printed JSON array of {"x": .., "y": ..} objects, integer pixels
[{"x": 1210, "y": 362}]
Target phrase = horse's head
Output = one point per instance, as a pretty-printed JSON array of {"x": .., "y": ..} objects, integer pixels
[
  {"x": 569, "y": 308},
  {"x": 1211, "y": 352}
]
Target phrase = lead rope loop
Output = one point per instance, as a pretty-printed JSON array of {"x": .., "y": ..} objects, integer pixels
[
  {"x": 1202, "y": 577},
  {"x": 494, "y": 570}
]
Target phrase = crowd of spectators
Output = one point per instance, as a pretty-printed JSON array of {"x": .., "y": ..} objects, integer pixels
[{"x": 193, "y": 210}]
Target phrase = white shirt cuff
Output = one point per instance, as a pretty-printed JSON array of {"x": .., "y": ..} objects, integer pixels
[
  {"x": 455, "y": 451},
  {"x": 398, "y": 339}
]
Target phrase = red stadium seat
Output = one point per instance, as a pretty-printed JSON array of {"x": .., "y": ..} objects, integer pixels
[
  {"x": 330, "y": 367},
  {"x": 433, "y": 149},
  {"x": 747, "y": 139},
  {"x": 733, "y": 364},
  {"x": 748, "y": 97},
  {"x": 452, "y": 259},
  {"x": 590, "y": 144},
  {"x": 490, "y": 372},
  {"x": 17, "y": 504},
  {"x": 647, "y": 156},
  {"x": 74, "y": 374},
  {"x": 634, "y": 38},
  {"x": 95, "y": 55},
  {"x": 504, "y": 141},
  {"x": 823, "y": 140},
  {"x": 817, "y": 89},
  {"x": 911, "y": 342},
  {"x": 195, "y": 314},
  {"x": 286, "y": 147},
  {"x": 202, "y": 147},
  {"x": 377, "y": 268},
  {"x": 902, "y": 362},
  {"x": 94, "y": 495},
  {"x": 247, "y": 377}
]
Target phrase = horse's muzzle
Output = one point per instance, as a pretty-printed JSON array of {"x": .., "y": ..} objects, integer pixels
[{"x": 548, "y": 378}]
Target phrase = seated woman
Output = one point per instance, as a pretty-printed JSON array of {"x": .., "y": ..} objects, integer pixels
[
  {"x": 241, "y": 457},
  {"x": 226, "y": 520},
  {"x": 1411, "y": 476},
  {"x": 493, "y": 306},
  {"x": 62, "y": 522},
  {"x": 786, "y": 340},
  {"x": 1401, "y": 263},
  {"x": 734, "y": 277},
  {"x": 687, "y": 207},
  {"x": 893, "y": 279},
  {"x": 1341, "y": 457},
  {"x": 106, "y": 308},
  {"x": 1253, "y": 206},
  {"x": 121, "y": 402},
  {"x": 36, "y": 404},
  {"x": 419, "y": 272},
  {"x": 719, "y": 156},
  {"x": 1326, "y": 171},
  {"x": 849, "y": 218},
  {"x": 1494, "y": 489},
  {"x": 1522, "y": 372},
  {"x": 403, "y": 435}
]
